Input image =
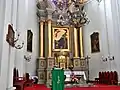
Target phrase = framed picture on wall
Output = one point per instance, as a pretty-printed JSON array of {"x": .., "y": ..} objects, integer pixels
[
  {"x": 10, "y": 36},
  {"x": 95, "y": 47},
  {"x": 60, "y": 39},
  {"x": 29, "y": 40}
]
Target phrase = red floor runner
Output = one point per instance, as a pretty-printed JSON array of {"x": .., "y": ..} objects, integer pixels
[{"x": 96, "y": 87}]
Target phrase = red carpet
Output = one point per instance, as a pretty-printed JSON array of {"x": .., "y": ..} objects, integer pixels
[{"x": 96, "y": 87}]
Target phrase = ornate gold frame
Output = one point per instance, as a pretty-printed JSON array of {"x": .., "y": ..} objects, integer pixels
[{"x": 53, "y": 40}]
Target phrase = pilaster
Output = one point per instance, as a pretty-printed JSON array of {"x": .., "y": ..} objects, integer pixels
[
  {"x": 50, "y": 65},
  {"x": 76, "y": 63},
  {"x": 49, "y": 12},
  {"x": 41, "y": 69}
]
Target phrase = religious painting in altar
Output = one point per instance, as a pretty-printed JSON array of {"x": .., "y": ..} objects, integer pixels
[
  {"x": 95, "y": 47},
  {"x": 60, "y": 39}
]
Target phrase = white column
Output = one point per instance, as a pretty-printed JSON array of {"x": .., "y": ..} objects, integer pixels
[
  {"x": 12, "y": 50},
  {"x": 6, "y": 63},
  {"x": 2, "y": 17},
  {"x": 21, "y": 27},
  {"x": 115, "y": 9}
]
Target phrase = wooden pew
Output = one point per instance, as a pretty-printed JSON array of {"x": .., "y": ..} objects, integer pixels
[{"x": 21, "y": 82}]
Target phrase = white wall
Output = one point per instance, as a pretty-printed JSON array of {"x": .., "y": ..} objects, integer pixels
[
  {"x": 10, "y": 57},
  {"x": 104, "y": 19},
  {"x": 115, "y": 65},
  {"x": 93, "y": 12},
  {"x": 7, "y": 51},
  {"x": 27, "y": 20},
  {"x": 2, "y": 3},
  {"x": 32, "y": 24}
]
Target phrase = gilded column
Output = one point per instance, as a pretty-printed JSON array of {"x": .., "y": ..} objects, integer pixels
[
  {"x": 75, "y": 42},
  {"x": 81, "y": 42},
  {"x": 41, "y": 60},
  {"x": 41, "y": 38},
  {"x": 49, "y": 39},
  {"x": 50, "y": 60},
  {"x": 76, "y": 56}
]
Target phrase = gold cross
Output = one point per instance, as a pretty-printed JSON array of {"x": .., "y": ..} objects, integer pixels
[{"x": 58, "y": 80}]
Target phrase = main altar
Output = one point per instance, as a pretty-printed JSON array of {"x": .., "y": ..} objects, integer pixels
[{"x": 59, "y": 46}]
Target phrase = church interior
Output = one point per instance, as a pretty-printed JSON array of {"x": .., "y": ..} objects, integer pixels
[{"x": 59, "y": 44}]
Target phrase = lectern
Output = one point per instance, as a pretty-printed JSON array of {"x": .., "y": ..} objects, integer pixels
[{"x": 57, "y": 79}]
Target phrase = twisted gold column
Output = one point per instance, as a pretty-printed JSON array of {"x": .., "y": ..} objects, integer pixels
[
  {"x": 81, "y": 42},
  {"x": 49, "y": 38},
  {"x": 75, "y": 42},
  {"x": 41, "y": 38}
]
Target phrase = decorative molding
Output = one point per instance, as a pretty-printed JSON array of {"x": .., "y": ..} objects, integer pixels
[
  {"x": 42, "y": 64},
  {"x": 49, "y": 75},
  {"x": 41, "y": 13},
  {"x": 83, "y": 63},
  {"x": 41, "y": 58},
  {"x": 50, "y": 64},
  {"x": 49, "y": 11},
  {"x": 42, "y": 75}
]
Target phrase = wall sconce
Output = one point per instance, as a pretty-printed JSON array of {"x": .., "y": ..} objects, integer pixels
[
  {"x": 27, "y": 58},
  {"x": 10, "y": 38},
  {"x": 104, "y": 59},
  {"x": 111, "y": 58},
  {"x": 15, "y": 41},
  {"x": 99, "y": 1}
]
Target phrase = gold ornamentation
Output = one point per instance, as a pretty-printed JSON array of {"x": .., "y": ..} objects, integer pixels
[
  {"x": 50, "y": 76},
  {"x": 41, "y": 76},
  {"x": 58, "y": 82},
  {"x": 42, "y": 63},
  {"x": 50, "y": 63}
]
